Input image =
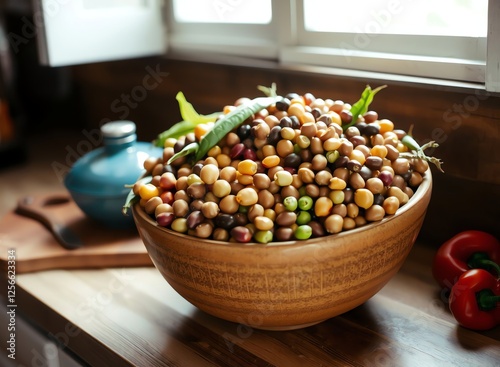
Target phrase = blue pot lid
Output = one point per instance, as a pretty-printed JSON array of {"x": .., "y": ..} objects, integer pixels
[{"x": 106, "y": 170}]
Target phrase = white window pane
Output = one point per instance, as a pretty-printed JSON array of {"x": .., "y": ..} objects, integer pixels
[
  {"x": 223, "y": 11},
  {"x": 423, "y": 17}
]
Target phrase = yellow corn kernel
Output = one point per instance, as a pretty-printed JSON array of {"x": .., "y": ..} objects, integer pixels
[
  {"x": 247, "y": 167},
  {"x": 379, "y": 151},
  {"x": 385, "y": 125},
  {"x": 223, "y": 160},
  {"x": 323, "y": 206},
  {"x": 337, "y": 183},
  {"x": 358, "y": 156},
  {"x": 201, "y": 129},
  {"x": 148, "y": 191},
  {"x": 214, "y": 151},
  {"x": 244, "y": 179},
  {"x": 271, "y": 161}
]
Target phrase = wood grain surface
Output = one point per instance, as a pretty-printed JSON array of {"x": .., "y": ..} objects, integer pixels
[
  {"x": 37, "y": 249},
  {"x": 132, "y": 317}
]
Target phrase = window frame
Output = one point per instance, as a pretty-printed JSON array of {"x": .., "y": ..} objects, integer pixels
[
  {"x": 251, "y": 40},
  {"x": 286, "y": 41}
]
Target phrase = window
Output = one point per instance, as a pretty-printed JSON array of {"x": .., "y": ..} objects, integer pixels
[
  {"x": 235, "y": 27},
  {"x": 448, "y": 40},
  {"x": 435, "y": 41},
  {"x": 231, "y": 11},
  {"x": 423, "y": 17},
  {"x": 419, "y": 38}
]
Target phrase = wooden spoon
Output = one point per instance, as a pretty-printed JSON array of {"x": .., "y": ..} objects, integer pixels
[{"x": 35, "y": 208}]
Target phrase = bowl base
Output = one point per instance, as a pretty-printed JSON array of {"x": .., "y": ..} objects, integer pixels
[{"x": 287, "y": 327}]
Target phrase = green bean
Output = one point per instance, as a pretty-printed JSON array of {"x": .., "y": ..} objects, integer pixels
[
  {"x": 230, "y": 121},
  {"x": 187, "y": 150},
  {"x": 227, "y": 123}
]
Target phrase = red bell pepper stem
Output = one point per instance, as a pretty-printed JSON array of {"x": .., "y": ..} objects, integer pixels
[
  {"x": 475, "y": 300},
  {"x": 466, "y": 250},
  {"x": 481, "y": 260},
  {"x": 486, "y": 300}
]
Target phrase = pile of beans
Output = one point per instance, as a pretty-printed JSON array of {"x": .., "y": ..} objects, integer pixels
[{"x": 289, "y": 172}]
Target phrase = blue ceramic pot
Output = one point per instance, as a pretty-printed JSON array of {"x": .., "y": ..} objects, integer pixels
[{"x": 97, "y": 181}]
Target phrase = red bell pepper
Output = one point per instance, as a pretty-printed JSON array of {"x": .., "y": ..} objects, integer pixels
[
  {"x": 475, "y": 300},
  {"x": 466, "y": 250}
]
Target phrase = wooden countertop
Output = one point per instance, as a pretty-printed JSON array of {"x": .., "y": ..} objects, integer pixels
[{"x": 131, "y": 316}]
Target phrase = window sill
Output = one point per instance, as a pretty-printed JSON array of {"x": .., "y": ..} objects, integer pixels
[{"x": 185, "y": 54}]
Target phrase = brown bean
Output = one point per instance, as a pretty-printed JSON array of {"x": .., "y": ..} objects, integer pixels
[
  {"x": 415, "y": 179},
  {"x": 196, "y": 190},
  {"x": 220, "y": 234},
  {"x": 290, "y": 191},
  {"x": 420, "y": 165},
  {"x": 392, "y": 152},
  {"x": 319, "y": 162},
  {"x": 312, "y": 190},
  {"x": 317, "y": 229},
  {"x": 265, "y": 198},
  {"x": 286, "y": 218},
  {"x": 255, "y": 211},
  {"x": 284, "y": 234},
  {"x": 152, "y": 204},
  {"x": 181, "y": 208},
  {"x": 401, "y": 166},
  {"x": 323, "y": 177},
  {"x": 374, "y": 213},
  {"x": 356, "y": 181},
  {"x": 346, "y": 148},
  {"x": 375, "y": 185},
  {"x": 340, "y": 209},
  {"x": 210, "y": 209},
  {"x": 333, "y": 223},
  {"x": 229, "y": 204},
  {"x": 306, "y": 175}
]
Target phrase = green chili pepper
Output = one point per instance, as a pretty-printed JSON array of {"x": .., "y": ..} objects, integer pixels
[
  {"x": 190, "y": 118},
  {"x": 361, "y": 106},
  {"x": 227, "y": 123},
  {"x": 417, "y": 151}
]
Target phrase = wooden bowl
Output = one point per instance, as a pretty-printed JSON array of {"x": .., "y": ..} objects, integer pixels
[{"x": 286, "y": 285}]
